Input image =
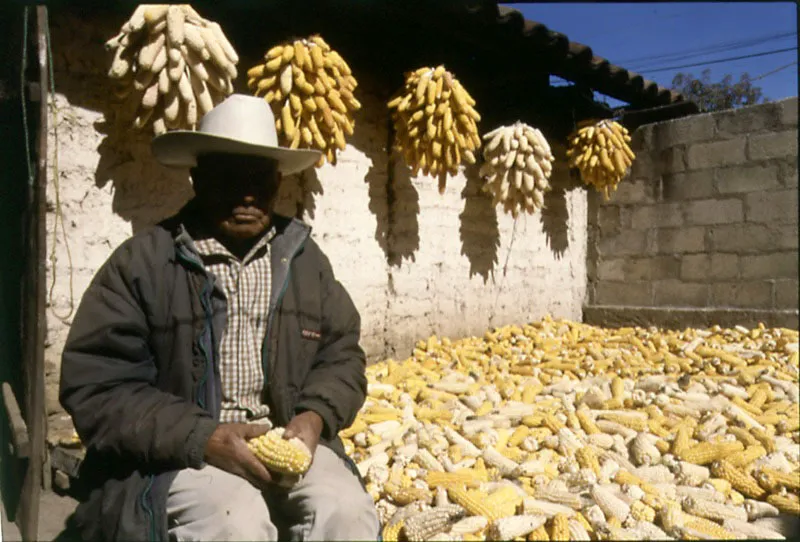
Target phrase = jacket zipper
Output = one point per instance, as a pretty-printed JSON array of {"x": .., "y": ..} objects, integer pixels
[{"x": 266, "y": 365}]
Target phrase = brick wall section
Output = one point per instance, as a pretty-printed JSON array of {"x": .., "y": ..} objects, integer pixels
[
  {"x": 706, "y": 219},
  {"x": 414, "y": 261}
]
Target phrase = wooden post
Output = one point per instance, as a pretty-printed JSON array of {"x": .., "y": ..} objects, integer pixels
[{"x": 34, "y": 325}]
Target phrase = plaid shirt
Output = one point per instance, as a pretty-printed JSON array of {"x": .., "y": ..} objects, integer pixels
[{"x": 246, "y": 285}]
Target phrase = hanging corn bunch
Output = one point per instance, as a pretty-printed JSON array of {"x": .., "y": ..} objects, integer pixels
[
  {"x": 177, "y": 63},
  {"x": 517, "y": 167},
  {"x": 435, "y": 123},
  {"x": 310, "y": 89},
  {"x": 601, "y": 153}
]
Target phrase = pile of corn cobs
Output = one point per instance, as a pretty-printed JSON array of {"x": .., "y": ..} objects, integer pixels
[{"x": 563, "y": 431}]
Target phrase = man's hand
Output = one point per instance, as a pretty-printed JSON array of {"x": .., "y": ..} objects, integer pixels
[
  {"x": 227, "y": 450},
  {"x": 307, "y": 426}
]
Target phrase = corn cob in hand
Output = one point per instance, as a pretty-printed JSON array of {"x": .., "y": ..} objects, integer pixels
[{"x": 281, "y": 455}]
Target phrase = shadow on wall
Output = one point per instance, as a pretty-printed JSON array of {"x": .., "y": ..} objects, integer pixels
[
  {"x": 479, "y": 230},
  {"x": 144, "y": 190},
  {"x": 403, "y": 203},
  {"x": 297, "y": 195},
  {"x": 554, "y": 217}
]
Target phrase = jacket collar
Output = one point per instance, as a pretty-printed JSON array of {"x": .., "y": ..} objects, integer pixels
[{"x": 290, "y": 234}]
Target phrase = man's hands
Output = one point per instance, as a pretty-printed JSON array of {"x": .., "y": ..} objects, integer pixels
[
  {"x": 307, "y": 426},
  {"x": 227, "y": 450}
]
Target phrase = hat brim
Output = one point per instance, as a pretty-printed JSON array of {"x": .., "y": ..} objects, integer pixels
[{"x": 181, "y": 148}]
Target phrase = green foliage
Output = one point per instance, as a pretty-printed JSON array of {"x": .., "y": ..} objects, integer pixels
[{"x": 724, "y": 94}]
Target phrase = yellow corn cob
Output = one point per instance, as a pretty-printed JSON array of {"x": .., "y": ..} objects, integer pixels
[
  {"x": 641, "y": 512},
  {"x": 587, "y": 458},
  {"x": 586, "y": 421},
  {"x": 767, "y": 441},
  {"x": 788, "y": 503},
  {"x": 281, "y": 455},
  {"x": 705, "y": 529},
  {"x": 739, "y": 480},
  {"x": 559, "y": 528},
  {"x": 475, "y": 506},
  {"x": 632, "y": 422},
  {"x": 391, "y": 532},
  {"x": 772, "y": 480},
  {"x": 406, "y": 495},
  {"x": 743, "y": 435},
  {"x": 708, "y": 452},
  {"x": 746, "y": 456},
  {"x": 539, "y": 535},
  {"x": 552, "y": 423},
  {"x": 505, "y": 500},
  {"x": 682, "y": 439}
]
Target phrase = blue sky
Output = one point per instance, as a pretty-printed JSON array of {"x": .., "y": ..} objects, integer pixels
[{"x": 644, "y": 37}]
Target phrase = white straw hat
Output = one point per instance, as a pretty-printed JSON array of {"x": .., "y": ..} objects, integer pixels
[{"x": 241, "y": 124}]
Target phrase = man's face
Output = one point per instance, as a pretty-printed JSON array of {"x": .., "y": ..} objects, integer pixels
[{"x": 236, "y": 193}]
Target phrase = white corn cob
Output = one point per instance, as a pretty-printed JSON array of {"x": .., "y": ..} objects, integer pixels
[
  {"x": 759, "y": 509},
  {"x": 532, "y": 506},
  {"x": 751, "y": 530},
  {"x": 514, "y": 526},
  {"x": 611, "y": 505},
  {"x": 577, "y": 531},
  {"x": 494, "y": 458},
  {"x": 713, "y": 510},
  {"x": 467, "y": 448},
  {"x": 469, "y": 525}
]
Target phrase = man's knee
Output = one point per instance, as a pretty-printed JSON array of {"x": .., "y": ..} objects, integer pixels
[{"x": 211, "y": 504}]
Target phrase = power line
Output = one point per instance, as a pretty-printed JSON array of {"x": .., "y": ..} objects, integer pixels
[
  {"x": 701, "y": 54},
  {"x": 776, "y": 70},
  {"x": 720, "y": 60},
  {"x": 720, "y": 47}
]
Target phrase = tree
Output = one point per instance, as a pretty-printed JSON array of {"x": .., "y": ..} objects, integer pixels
[{"x": 718, "y": 96}]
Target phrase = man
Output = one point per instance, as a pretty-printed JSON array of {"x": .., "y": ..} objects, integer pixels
[{"x": 203, "y": 332}]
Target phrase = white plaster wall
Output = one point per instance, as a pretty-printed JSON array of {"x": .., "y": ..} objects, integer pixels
[{"x": 428, "y": 263}]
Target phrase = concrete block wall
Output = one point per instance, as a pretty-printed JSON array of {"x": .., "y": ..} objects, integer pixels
[
  {"x": 414, "y": 261},
  {"x": 705, "y": 226}
]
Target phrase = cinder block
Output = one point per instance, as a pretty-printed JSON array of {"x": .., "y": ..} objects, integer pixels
[
  {"x": 730, "y": 152},
  {"x": 778, "y": 207},
  {"x": 714, "y": 211},
  {"x": 740, "y": 238},
  {"x": 777, "y": 265},
  {"x": 661, "y": 215},
  {"x": 680, "y": 240},
  {"x": 748, "y": 120},
  {"x": 789, "y": 111},
  {"x": 634, "y": 191},
  {"x": 776, "y": 145},
  {"x": 623, "y": 293},
  {"x": 723, "y": 266},
  {"x": 709, "y": 267},
  {"x": 642, "y": 138},
  {"x": 677, "y": 293},
  {"x": 695, "y": 267},
  {"x": 736, "y": 180},
  {"x": 673, "y": 160},
  {"x": 751, "y": 295},
  {"x": 787, "y": 173},
  {"x": 652, "y": 268},
  {"x": 786, "y": 237},
  {"x": 612, "y": 269},
  {"x": 786, "y": 294},
  {"x": 608, "y": 219},
  {"x": 692, "y": 129},
  {"x": 628, "y": 242},
  {"x": 688, "y": 185}
]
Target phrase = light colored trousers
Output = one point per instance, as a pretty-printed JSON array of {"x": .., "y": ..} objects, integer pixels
[{"x": 327, "y": 504}]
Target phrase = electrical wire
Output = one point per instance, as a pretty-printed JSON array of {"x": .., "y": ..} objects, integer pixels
[
  {"x": 776, "y": 70},
  {"x": 718, "y": 48},
  {"x": 721, "y": 60}
]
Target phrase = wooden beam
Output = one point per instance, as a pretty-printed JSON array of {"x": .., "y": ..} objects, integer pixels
[
  {"x": 19, "y": 430},
  {"x": 27, "y": 515}
]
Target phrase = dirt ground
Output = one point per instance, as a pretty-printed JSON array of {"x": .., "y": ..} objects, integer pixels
[{"x": 54, "y": 510}]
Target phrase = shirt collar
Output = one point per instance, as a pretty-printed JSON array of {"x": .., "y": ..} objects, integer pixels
[{"x": 211, "y": 247}]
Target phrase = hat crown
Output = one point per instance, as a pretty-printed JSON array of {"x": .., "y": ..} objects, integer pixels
[{"x": 244, "y": 118}]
